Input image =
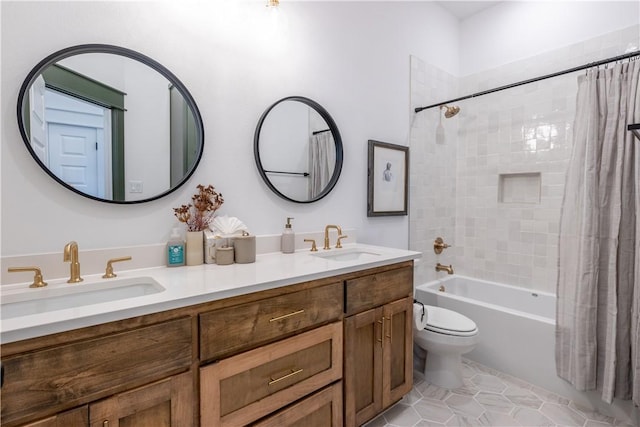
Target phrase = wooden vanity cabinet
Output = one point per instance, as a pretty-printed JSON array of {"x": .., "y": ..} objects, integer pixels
[
  {"x": 378, "y": 355},
  {"x": 328, "y": 352}
]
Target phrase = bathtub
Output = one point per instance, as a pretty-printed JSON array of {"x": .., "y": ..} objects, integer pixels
[{"x": 517, "y": 333}]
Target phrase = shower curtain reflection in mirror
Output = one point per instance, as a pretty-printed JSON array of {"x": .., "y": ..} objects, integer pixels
[
  {"x": 322, "y": 160},
  {"x": 598, "y": 319}
]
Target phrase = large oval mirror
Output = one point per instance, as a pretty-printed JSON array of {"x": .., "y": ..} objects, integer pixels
[
  {"x": 298, "y": 149},
  {"x": 110, "y": 124}
]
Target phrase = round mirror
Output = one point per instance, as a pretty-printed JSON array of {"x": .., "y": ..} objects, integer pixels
[
  {"x": 110, "y": 124},
  {"x": 298, "y": 149}
]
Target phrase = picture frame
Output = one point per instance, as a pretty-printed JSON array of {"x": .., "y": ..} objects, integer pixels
[{"x": 388, "y": 179}]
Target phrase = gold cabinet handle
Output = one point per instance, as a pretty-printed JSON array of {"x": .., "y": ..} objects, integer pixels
[
  {"x": 390, "y": 336},
  {"x": 289, "y": 375},
  {"x": 381, "y": 340},
  {"x": 108, "y": 274},
  {"x": 37, "y": 277},
  {"x": 105, "y": 423},
  {"x": 275, "y": 319}
]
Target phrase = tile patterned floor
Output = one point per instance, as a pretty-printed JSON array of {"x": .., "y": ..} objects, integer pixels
[{"x": 488, "y": 398}]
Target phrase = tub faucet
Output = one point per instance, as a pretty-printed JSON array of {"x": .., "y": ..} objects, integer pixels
[
  {"x": 448, "y": 269},
  {"x": 71, "y": 255},
  {"x": 326, "y": 235}
]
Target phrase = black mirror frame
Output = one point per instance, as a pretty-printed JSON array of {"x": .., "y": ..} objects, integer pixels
[
  {"x": 115, "y": 50},
  {"x": 336, "y": 137}
]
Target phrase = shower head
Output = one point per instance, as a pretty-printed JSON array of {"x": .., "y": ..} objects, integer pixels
[{"x": 450, "y": 111}]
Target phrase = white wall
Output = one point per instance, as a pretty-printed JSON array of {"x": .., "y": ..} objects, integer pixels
[
  {"x": 352, "y": 58},
  {"x": 515, "y": 30}
]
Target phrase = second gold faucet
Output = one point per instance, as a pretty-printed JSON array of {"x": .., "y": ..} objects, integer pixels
[
  {"x": 327, "y": 244},
  {"x": 71, "y": 256}
]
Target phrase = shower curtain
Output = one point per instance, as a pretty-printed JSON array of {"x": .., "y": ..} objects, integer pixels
[
  {"x": 322, "y": 158},
  {"x": 598, "y": 321}
]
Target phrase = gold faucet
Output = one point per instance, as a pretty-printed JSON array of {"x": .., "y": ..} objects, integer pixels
[
  {"x": 71, "y": 255},
  {"x": 448, "y": 269},
  {"x": 326, "y": 234}
]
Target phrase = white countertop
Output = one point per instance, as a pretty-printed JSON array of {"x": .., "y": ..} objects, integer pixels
[{"x": 191, "y": 285}]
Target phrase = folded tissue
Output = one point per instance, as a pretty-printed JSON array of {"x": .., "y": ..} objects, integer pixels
[{"x": 227, "y": 226}]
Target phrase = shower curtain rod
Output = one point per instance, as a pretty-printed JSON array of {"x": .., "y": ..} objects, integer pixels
[{"x": 535, "y": 79}]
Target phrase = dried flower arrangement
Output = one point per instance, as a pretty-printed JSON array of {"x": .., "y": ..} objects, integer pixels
[{"x": 198, "y": 214}]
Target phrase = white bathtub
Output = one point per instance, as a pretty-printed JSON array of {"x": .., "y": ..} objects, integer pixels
[{"x": 517, "y": 333}]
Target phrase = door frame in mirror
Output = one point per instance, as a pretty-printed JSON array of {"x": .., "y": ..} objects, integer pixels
[
  {"x": 336, "y": 137},
  {"x": 128, "y": 53}
]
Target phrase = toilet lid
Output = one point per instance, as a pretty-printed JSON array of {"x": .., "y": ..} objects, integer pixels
[{"x": 449, "y": 322}]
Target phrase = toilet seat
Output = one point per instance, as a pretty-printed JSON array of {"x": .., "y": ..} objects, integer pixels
[{"x": 443, "y": 321}]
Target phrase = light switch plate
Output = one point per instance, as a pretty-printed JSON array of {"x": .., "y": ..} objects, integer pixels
[{"x": 135, "y": 186}]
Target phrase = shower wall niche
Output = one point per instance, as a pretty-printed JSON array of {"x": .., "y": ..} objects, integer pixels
[
  {"x": 502, "y": 165},
  {"x": 519, "y": 187}
]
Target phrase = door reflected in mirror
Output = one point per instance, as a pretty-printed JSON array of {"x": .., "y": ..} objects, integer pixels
[
  {"x": 298, "y": 150},
  {"x": 110, "y": 123}
]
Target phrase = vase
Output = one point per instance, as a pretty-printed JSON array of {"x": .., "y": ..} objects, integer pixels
[{"x": 194, "y": 247}]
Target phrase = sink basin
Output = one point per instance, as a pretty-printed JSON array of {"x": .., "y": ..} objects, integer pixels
[
  {"x": 63, "y": 296},
  {"x": 350, "y": 254}
]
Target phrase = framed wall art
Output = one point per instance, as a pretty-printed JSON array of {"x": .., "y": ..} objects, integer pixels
[{"x": 388, "y": 170}]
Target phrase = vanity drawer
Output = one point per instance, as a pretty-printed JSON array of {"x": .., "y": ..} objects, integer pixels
[
  {"x": 227, "y": 331},
  {"x": 48, "y": 381},
  {"x": 321, "y": 409},
  {"x": 366, "y": 292},
  {"x": 244, "y": 388}
]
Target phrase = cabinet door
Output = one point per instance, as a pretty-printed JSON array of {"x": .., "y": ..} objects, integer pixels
[
  {"x": 397, "y": 366},
  {"x": 78, "y": 417},
  {"x": 363, "y": 366},
  {"x": 165, "y": 403}
]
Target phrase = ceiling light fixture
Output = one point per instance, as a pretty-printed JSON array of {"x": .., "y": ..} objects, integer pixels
[{"x": 273, "y": 3}]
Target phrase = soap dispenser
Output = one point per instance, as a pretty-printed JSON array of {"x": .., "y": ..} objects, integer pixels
[
  {"x": 175, "y": 249},
  {"x": 287, "y": 243}
]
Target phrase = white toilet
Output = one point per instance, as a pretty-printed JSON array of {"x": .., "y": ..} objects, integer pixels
[{"x": 447, "y": 336}]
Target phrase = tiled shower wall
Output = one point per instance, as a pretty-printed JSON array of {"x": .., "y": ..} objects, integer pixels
[
  {"x": 432, "y": 189},
  {"x": 517, "y": 133}
]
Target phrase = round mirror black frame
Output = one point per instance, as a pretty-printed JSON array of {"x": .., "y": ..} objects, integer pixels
[
  {"x": 115, "y": 50},
  {"x": 336, "y": 137}
]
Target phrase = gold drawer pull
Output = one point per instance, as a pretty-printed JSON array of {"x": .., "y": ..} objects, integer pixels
[
  {"x": 105, "y": 423},
  {"x": 390, "y": 336},
  {"x": 286, "y": 315},
  {"x": 289, "y": 375}
]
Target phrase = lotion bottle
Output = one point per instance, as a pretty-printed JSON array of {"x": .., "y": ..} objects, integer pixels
[
  {"x": 175, "y": 249},
  {"x": 287, "y": 242}
]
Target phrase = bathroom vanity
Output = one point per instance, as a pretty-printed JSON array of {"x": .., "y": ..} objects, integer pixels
[{"x": 316, "y": 341}]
